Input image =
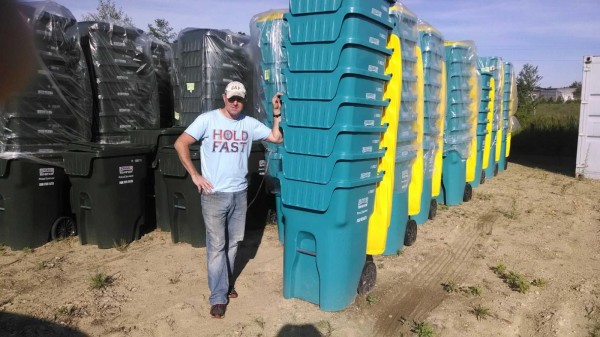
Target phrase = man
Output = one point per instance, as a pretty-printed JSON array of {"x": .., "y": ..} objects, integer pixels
[{"x": 226, "y": 137}]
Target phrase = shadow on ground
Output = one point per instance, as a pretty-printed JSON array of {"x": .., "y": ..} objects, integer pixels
[
  {"x": 564, "y": 165},
  {"x": 26, "y": 326},
  {"x": 305, "y": 330}
]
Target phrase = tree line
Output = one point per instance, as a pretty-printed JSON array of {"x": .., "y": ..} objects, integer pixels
[{"x": 107, "y": 10}]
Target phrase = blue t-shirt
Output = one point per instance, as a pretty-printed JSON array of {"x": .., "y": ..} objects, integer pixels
[{"x": 225, "y": 148}]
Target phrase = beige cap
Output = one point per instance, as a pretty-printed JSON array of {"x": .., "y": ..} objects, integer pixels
[{"x": 235, "y": 89}]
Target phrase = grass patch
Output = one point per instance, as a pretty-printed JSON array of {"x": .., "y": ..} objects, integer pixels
[
  {"x": 121, "y": 246},
  {"x": 515, "y": 281},
  {"x": 480, "y": 312},
  {"x": 27, "y": 250},
  {"x": 371, "y": 299},
  {"x": 423, "y": 329},
  {"x": 539, "y": 282},
  {"x": 473, "y": 290},
  {"x": 450, "y": 287},
  {"x": 100, "y": 281},
  {"x": 553, "y": 130},
  {"x": 325, "y": 327}
]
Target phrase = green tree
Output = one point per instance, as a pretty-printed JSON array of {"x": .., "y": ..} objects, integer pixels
[
  {"x": 577, "y": 86},
  {"x": 162, "y": 31},
  {"x": 107, "y": 11},
  {"x": 527, "y": 81}
]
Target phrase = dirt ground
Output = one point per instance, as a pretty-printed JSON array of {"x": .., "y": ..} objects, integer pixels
[{"x": 531, "y": 224}]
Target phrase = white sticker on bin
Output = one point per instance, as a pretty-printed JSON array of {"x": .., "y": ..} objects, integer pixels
[
  {"x": 371, "y": 95},
  {"x": 370, "y": 122},
  {"x": 367, "y": 149},
  {"x": 376, "y": 12},
  {"x": 374, "y": 40},
  {"x": 365, "y": 175},
  {"x": 374, "y": 69},
  {"x": 363, "y": 202}
]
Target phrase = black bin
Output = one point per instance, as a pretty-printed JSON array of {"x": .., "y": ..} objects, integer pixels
[
  {"x": 157, "y": 207},
  {"x": 33, "y": 197},
  {"x": 108, "y": 191},
  {"x": 182, "y": 198}
]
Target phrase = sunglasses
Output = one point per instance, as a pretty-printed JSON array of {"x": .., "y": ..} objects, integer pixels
[{"x": 235, "y": 98}]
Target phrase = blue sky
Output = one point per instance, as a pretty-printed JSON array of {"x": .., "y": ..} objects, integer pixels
[{"x": 550, "y": 34}]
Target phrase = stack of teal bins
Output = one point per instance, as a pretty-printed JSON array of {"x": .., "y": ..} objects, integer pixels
[
  {"x": 457, "y": 132},
  {"x": 432, "y": 48},
  {"x": 268, "y": 31},
  {"x": 506, "y": 105},
  {"x": 332, "y": 127},
  {"x": 405, "y": 26},
  {"x": 482, "y": 119},
  {"x": 494, "y": 66}
]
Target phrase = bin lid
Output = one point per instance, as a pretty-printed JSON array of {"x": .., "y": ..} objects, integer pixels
[
  {"x": 169, "y": 163},
  {"x": 79, "y": 156}
]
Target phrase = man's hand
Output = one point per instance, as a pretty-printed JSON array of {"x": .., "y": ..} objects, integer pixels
[
  {"x": 276, "y": 100},
  {"x": 204, "y": 186}
]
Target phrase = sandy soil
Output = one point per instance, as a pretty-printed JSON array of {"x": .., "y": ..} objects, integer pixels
[{"x": 539, "y": 224}]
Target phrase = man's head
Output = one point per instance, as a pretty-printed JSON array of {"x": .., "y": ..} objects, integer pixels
[{"x": 234, "y": 98}]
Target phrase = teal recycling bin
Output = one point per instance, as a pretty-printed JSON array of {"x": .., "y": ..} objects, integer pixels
[
  {"x": 182, "y": 199},
  {"x": 34, "y": 198},
  {"x": 325, "y": 239},
  {"x": 108, "y": 194}
]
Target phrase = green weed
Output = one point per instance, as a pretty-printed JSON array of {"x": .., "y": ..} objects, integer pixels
[
  {"x": 480, "y": 312},
  {"x": 372, "y": 299},
  {"x": 423, "y": 329},
  {"x": 450, "y": 287},
  {"x": 325, "y": 327},
  {"x": 539, "y": 282},
  {"x": 121, "y": 246},
  {"x": 514, "y": 280},
  {"x": 100, "y": 281},
  {"x": 27, "y": 250},
  {"x": 473, "y": 290}
]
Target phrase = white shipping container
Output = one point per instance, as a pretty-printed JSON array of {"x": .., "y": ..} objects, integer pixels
[{"x": 588, "y": 144}]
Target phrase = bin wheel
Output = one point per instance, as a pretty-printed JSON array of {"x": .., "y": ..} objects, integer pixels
[
  {"x": 496, "y": 169},
  {"x": 482, "y": 179},
  {"x": 432, "y": 209},
  {"x": 468, "y": 194},
  {"x": 505, "y": 165},
  {"x": 411, "y": 233},
  {"x": 63, "y": 228},
  {"x": 367, "y": 278}
]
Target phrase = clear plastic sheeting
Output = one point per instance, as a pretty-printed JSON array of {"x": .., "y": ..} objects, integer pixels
[
  {"x": 432, "y": 48},
  {"x": 123, "y": 81},
  {"x": 267, "y": 33},
  {"x": 162, "y": 63},
  {"x": 206, "y": 61},
  {"x": 55, "y": 107},
  {"x": 405, "y": 26},
  {"x": 459, "y": 113}
]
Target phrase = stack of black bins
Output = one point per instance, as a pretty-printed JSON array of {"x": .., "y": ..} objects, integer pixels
[
  {"x": 108, "y": 194},
  {"x": 162, "y": 61},
  {"x": 55, "y": 107},
  {"x": 206, "y": 61},
  {"x": 123, "y": 81}
]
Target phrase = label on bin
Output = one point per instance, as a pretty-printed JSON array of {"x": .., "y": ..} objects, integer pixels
[
  {"x": 363, "y": 204},
  {"x": 370, "y": 122},
  {"x": 371, "y": 96},
  {"x": 367, "y": 149},
  {"x": 376, "y": 12},
  {"x": 46, "y": 177},
  {"x": 374, "y": 40},
  {"x": 374, "y": 69},
  {"x": 365, "y": 175},
  {"x": 126, "y": 174}
]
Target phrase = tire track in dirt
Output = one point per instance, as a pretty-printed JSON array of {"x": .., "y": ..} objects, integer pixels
[{"x": 423, "y": 292}]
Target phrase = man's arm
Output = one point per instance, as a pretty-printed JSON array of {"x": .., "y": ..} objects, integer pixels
[
  {"x": 276, "y": 136},
  {"x": 182, "y": 146}
]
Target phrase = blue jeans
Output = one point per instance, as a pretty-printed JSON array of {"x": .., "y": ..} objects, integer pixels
[{"x": 225, "y": 220}]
